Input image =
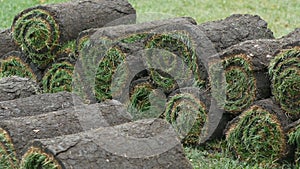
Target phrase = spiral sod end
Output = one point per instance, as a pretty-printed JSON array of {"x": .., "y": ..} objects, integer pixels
[
  {"x": 284, "y": 70},
  {"x": 8, "y": 156},
  {"x": 239, "y": 84},
  {"x": 294, "y": 139},
  {"x": 180, "y": 44},
  {"x": 188, "y": 115},
  {"x": 58, "y": 78},
  {"x": 37, "y": 33},
  {"x": 36, "y": 158},
  {"x": 15, "y": 66},
  {"x": 105, "y": 70},
  {"x": 256, "y": 136}
]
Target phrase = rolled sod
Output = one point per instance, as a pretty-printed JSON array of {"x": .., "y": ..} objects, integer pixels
[
  {"x": 284, "y": 70},
  {"x": 8, "y": 156},
  {"x": 58, "y": 77},
  {"x": 42, "y": 29},
  {"x": 239, "y": 74},
  {"x": 257, "y": 135},
  {"x": 37, "y": 104},
  {"x": 6, "y": 43},
  {"x": 150, "y": 143},
  {"x": 187, "y": 110},
  {"x": 62, "y": 122},
  {"x": 15, "y": 63},
  {"x": 15, "y": 87},
  {"x": 235, "y": 29}
]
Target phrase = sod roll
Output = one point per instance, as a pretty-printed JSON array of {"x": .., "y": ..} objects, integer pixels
[
  {"x": 14, "y": 63},
  {"x": 142, "y": 144},
  {"x": 62, "y": 122},
  {"x": 37, "y": 104},
  {"x": 257, "y": 135},
  {"x": 235, "y": 29},
  {"x": 58, "y": 77},
  {"x": 6, "y": 43},
  {"x": 41, "y": 30},
  {"x": 239, "y": 74},
  {"x": 16, "y": 87},
  {"x": 284, "y": 70},
  {"x": 187, "y": 110}
]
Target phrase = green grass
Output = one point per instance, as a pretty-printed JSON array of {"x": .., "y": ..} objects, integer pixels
[{"x": 282, "y": 15}]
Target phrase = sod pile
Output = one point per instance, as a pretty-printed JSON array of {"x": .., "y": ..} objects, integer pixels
[
  {"x": 284, "y": 70},
  {"x": 40, "y": 31},
  {"x": 257, "y": 135},
  {"x": 62, "y": 122},
  {"x": 16, "y": 87},
  {"x": 132, "y": 145}
]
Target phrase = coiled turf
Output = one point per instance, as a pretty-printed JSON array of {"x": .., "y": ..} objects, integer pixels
[
  {"x": 237, "y": 91},
  {"x": 58, "y": 78},
  {"x": 284, "y": 70}
]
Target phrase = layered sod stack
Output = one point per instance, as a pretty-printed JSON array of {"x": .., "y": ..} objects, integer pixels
[
  {"x": 257, "y": 135},
  {"x": 144, "y": 147},
  {"x": 62, "y": 122},
  {"x": 40, "y": 31},
  {"x": 284, "y": 70}
]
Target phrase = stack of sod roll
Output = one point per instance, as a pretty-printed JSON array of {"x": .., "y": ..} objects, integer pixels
[{"x": 103, "y": 91}]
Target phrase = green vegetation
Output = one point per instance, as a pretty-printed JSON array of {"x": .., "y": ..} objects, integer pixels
[
  {"x": 285, "y": 72},
  {"x": 36, "y": 159},
  {"x": 58, "y": 78},
  {"x": 188, "y": 115},
  {"x": 240, "y": 88},
  {"x": 15, "y": 66},
  {"x": 8, "y": 158},
  {"x": 256, "y": 137}
]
